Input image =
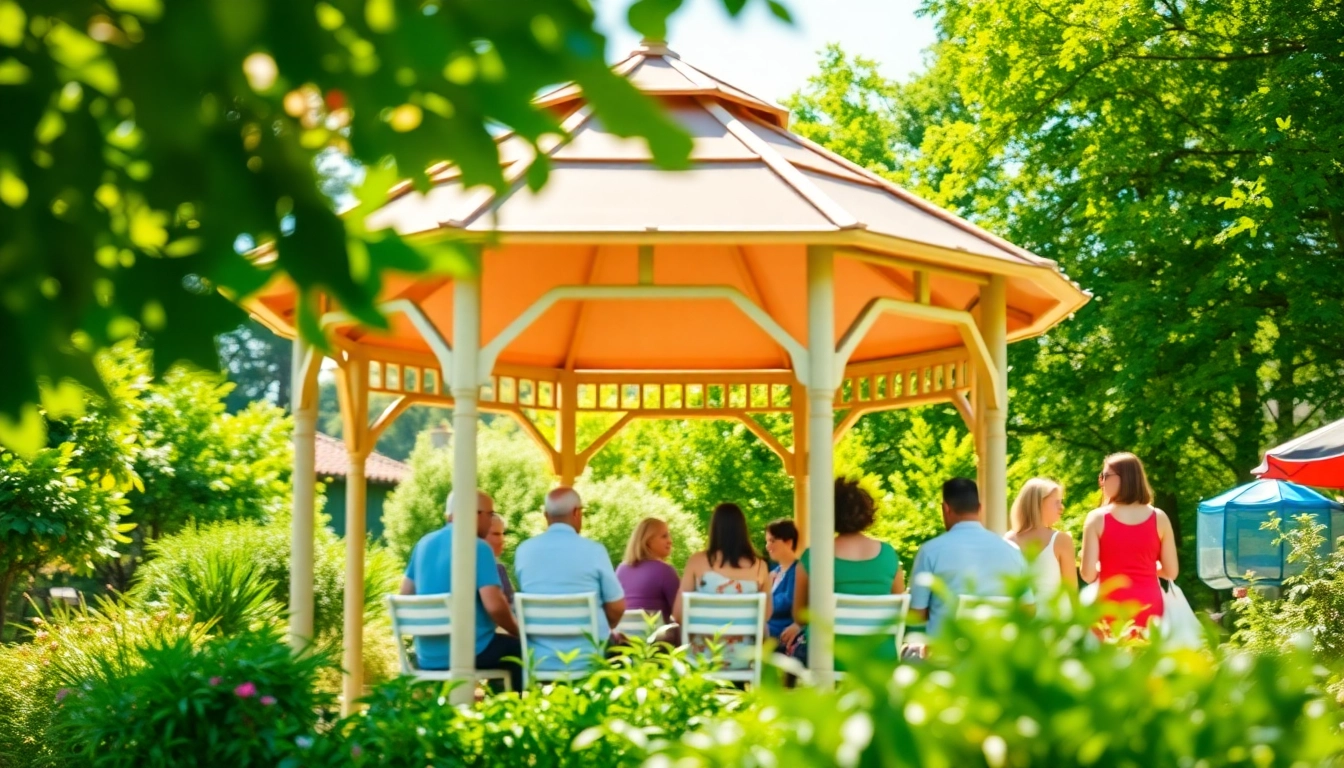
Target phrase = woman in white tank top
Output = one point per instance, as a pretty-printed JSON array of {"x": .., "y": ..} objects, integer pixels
[{"x": 1049, "y": 552}]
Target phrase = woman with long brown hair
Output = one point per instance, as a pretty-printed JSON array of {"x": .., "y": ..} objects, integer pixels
[{"x": 1127, "y": 542}]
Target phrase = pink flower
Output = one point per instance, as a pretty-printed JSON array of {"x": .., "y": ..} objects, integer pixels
[
  {"x": 216, "y": 680},
  {"x": 267, "y": 701},
  {"x": 245, "y": 691},
  {"x": 356, "y": 750},
  {"x": 61, "y": 694}
]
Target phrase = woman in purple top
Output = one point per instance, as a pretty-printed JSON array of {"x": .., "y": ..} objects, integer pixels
[{"x": 650, "y": 584}]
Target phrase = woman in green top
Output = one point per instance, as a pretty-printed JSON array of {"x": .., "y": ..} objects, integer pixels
[{"x": 863, "y": 565}]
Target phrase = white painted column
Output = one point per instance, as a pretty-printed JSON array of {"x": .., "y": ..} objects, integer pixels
[
  {"x": 352, "y": 657},
  {"x": 304, "y": 498},
  {"x": 466, "y": 390},
  {"x": 994, "y": 328},
  {"x": 798, "y": 398},
  {"x": 820, "y": 461}
]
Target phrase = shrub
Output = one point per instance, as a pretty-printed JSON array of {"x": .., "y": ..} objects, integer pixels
[
  {"x": 183, "y": 559},
  {"x": 230, "y": 596},
  {"x": 607, "y": 719},
  {"x": 613, "y": 507},
  {"x": 1028, "y": 692},
  {"x": 71, "y": 644},
  {"x": 181, "y": 575},
  {"x": 243, "y": 700}
]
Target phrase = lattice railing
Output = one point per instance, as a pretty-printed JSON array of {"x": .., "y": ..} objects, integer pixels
[
  {"x": 870, "y": 385},
  {"x": 918, "y": 380}
]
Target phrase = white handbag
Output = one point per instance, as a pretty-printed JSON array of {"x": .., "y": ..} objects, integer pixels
[{"x": 1180, "y": 626}]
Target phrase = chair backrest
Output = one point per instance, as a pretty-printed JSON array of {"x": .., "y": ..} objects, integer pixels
[
  {"x": 418, "y": 616},
  {"x": 739, "y": 616},
  {"x": 637, "y": 623},
  {"x": 982, "y": 607},
  {"x": 872, "y": 615},
  {"x": 556, "y": 616}
]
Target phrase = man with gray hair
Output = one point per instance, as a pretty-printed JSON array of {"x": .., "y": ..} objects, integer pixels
[
  {"x": 430, "y": 571},
  {"x": 561, "y": 562}
]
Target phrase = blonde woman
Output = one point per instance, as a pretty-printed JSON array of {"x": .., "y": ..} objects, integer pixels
[
  {"x": 1050, "y": 552},
  {"x": 650, "y": 583}
]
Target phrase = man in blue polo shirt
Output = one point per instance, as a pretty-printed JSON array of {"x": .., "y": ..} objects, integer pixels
[
  {"x": 430, "y": 572},
  {"x": 561, "y": 562},
  {"x": 968, "y": 559}
]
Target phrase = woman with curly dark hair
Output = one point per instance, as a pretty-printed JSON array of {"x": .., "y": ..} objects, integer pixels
[{"x": 863, "y": 565}]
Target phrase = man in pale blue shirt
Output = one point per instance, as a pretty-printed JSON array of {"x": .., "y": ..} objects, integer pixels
[
  {"x": 968, "y": 559},
  {"x": 430, "y": 572},
  {"x": 561, "y": 562}
]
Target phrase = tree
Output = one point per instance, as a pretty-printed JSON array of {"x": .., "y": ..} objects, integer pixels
[
  {"x": 64, "y": 504},
  {"x": 1103, "y": 135},
  {"x": 258, "y": 363},
  {"x": 613, "y": 507},
  {"x": 700, "y": 463},
  {"x": 148, "y": 146}
]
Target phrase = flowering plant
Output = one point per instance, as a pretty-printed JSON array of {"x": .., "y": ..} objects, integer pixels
[{"x": 240, "y": 700}]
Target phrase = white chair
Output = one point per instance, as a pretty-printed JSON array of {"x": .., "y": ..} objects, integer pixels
[
  {"x": 711, "y": 616},
  {"x": 981, "y": 608},
  {"x": 561, "y": 617},
  {"x": 429, "y": 616},
  {"x": 637, "y": 623},
  {"x": 857, "y": 615}
]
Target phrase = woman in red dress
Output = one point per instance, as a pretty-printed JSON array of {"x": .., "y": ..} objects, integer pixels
[{"x": 1128, "y": 543}]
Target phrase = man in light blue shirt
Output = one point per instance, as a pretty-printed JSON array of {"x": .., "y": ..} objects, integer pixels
[
  {"x": 968, "y": 559},
  {"x": 561, "y": 562},
  {"x": 430, "y": 572}
]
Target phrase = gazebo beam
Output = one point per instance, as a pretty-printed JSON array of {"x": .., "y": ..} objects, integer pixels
[{"x": 491, "y": 352}]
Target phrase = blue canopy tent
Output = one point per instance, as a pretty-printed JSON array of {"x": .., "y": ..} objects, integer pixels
[{"x": 1230, "y": 542}]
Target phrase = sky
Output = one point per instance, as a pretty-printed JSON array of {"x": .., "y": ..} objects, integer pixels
[{"x": 767, "y": 58}]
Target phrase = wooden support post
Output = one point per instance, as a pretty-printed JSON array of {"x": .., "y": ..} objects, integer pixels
[
  {"x": 303, "y": 389},
  {"x": 353, "y": 392},
  {"x": 820, "y": 460},
  {"x": 994, "y": 328}
]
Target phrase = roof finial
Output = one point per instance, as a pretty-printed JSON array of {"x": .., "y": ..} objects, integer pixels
[{"x": 653, "y": 47}]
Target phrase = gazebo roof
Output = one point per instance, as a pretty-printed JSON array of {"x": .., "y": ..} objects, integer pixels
[
  {"x": 749, "y": 174},
  {"x": 755, "y": 197}
]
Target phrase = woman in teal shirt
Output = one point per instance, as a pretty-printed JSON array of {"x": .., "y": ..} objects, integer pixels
[{"x": 863, "y": 565}]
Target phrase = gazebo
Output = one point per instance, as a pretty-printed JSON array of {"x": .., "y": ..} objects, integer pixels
[{"x": 773, "y": 276}]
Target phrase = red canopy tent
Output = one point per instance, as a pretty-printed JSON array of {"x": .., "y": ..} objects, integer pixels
[{"x": 1315, "y": 459}]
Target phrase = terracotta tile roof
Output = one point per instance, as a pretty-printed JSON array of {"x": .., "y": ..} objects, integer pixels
[{"x": 332, "y": 461}]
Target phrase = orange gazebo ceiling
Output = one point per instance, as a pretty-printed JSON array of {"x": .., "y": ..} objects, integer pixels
[{"x": 741, "y": 216}]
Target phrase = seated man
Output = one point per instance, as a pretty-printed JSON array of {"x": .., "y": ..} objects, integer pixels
[
  {"x": 561, "y": 562},
  {"x": 968, "y": 559},
  {"x": 429, "y": 572}
]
